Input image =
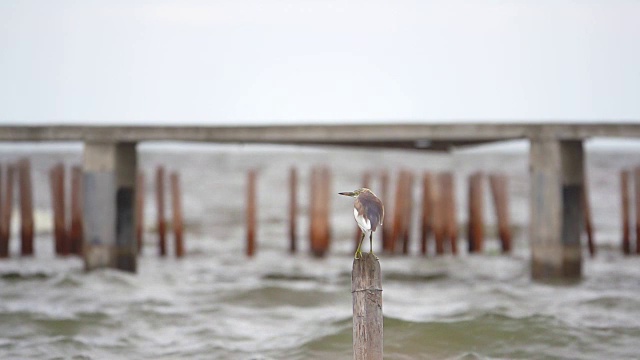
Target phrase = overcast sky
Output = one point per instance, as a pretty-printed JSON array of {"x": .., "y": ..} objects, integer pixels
[{"x": 318, "y": 60}]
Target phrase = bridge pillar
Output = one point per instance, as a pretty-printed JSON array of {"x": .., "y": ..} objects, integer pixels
[
  {"x": 109, "y": 193},
  {"x": 557, "y": 176}
]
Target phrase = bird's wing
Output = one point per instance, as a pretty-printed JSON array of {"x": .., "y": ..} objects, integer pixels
[
  {"x": 363, "y": 223},
  {"x": 372, "y": 207}
]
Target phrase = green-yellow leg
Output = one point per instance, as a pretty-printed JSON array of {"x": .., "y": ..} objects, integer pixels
[
  {"x": 371, "y": 245},
  {"x": 358, "y": 254}
]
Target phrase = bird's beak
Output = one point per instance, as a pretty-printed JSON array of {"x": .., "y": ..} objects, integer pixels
[{"x": 347, "y": 193}]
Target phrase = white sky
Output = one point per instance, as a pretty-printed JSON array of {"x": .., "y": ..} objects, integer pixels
[{"x": 318, "y": 60}]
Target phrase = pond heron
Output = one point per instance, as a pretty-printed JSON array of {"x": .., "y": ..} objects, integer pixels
[{"x": 369, "y": 212}]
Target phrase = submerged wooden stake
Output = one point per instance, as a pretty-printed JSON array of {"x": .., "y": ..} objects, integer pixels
[
  {"x": 162, "y": 225},
  {"x": 366, "y": 292},
  {"x": 76, "y": 232},
  {"x": 427, "y": 211},
  {"x": 251, "y": 213},
  {"x": 26, "y": 207},
  {"x": 448, "y": 207},
  {"x": 408, "y": 212},
  {"x": 178, "y": 225},
  {"x": 5, "y": 214},
  {"x": 56, "y": 180},
  {"x": 319, "y": 211},
  {"x": 384, "y": 196},
  {"x": 400, "y": 209},
  {"x": 293, "y": 208},
  {"x": 438, "y": 214},
  {"x": 476, "y": 218},
  {"x": 624, "y": 192},
  {"x": 499, "y": 191}
]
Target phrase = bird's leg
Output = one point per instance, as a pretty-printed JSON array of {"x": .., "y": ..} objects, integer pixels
[
  {"x": 358, "y": 254},
  {"x": 371, "y": 245}
]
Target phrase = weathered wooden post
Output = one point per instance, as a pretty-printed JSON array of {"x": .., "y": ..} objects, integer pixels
[
  {"x": 366, "y": 180},
  {"x": 366, "y": 292},
  {"x": 319, "y": 211},
  {"x": 162, "y": 224},
  {"x": 7, "y": 208},
  {"x": 75, "y": 233},
  {"x": 400, "y": 208},
  {"x": 499, "y": 193},
  {"x": 476, "y": 219},
  {"x": 439, "y": 215},
  {"x": 449, "y": 209},
  {"x": 319, "y": 232},
  {"x": 251, "y": 213},
  {"x": 626, "y": 229},
  {"x": 588, "y": 223},
  {"x": 293, "y": 208},
  {"x": 108, "y": 205},
  {"x": 427, "y": 211},
  {"x": 26, "y": 207},
  {"x": 386, "y": 229},
  {"x": 313, "y": 209},
  {"x": 177, "y": 214},
  {"x": 56, "y": 180},
  {"x": 140, "y": 192},
  {"x": 326, "y": 207},
  {"x": 408, "y": 212}
]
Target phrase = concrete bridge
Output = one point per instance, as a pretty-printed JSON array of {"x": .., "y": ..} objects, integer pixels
[{"x": 556, "y": 168}]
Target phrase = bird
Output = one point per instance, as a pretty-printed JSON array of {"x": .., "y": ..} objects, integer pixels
[{"x": 369, "y": 212}]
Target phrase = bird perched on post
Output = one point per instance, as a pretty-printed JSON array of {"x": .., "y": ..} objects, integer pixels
[{"x": 369, "y": 212}]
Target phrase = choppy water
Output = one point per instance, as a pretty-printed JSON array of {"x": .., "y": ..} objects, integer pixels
[{"x": 217, "y": 304}]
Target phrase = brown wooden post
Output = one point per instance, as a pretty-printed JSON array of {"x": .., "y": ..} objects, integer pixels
[
  {"x": 408, "y": 212},
  {"x": 313, "y": 209},
  {"x": 387, "y": 226},
  {"x": 400, "y": 208},
  {"x": 7, "y": 212},
  {"x": 319, "y": 211},
  {"x": 624, "y": 191},
  {"x": 140, "y": 192},
  {"x": 499, "y": 187},
  {"x": 178, "y": 225},
  {"x": 162, "y": 225},
  {"x": 476, "y": 219},
  {"x": 326, "y": 208},
  {"x": 366, "y": 181},
  {"x": 56, "y": 177},
  {"x": 427, "y": 212},
  {"x": 439, "y": 214},
  {"x": 251, "y": 213},
  {"x": 75, "y": 233},
  {"x": 449, "y": 209},
  {"x": 366, "y": 292},
  {"x": 26, "y": 207},
  {"x": 293, "y": 208}
]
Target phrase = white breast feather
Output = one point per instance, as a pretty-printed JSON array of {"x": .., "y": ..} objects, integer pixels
[{"x": 364, "y": 224}]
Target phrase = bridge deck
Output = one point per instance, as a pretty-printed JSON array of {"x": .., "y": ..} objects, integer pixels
[{"x": 438, "y": 135}]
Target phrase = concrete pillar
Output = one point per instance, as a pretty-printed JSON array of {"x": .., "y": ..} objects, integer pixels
[
  {"x": 109, "y": 193},
  {"x": 557, "y": 177}
]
